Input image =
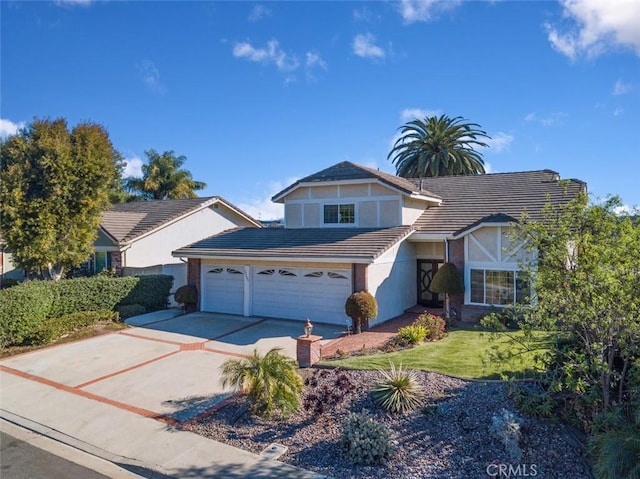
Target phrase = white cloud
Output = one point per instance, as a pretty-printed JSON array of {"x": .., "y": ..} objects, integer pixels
[
  {"x": 618, "y": 111},
  {"x": 258, "y": 13},
  {"x": 620, "y": 88},
  {"x": 314, "y": 60},
  {"x": 261, "y": 207},
  {"x": 499, "y": 142},
  {"x": 591, "y": 27},
  {"x": 364, "y": 46},
  {"x": 552, "y": 119},
  {"x": 364, "y": 14},
  {"x": 270, "y": 54},
  {"x": 133, "y": 167},
  {"x": 409, "y": 114},
  {"x": 151, "y": 77},
  {"x": 8, "y": 128},
  {"x": 488, "y": 168},
  {"x": 424, "y": 10},
  {"x": 625, "y": 210}
]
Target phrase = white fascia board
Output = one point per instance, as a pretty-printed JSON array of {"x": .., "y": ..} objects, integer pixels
[
  {"x": 417, "y": 236},
  {"x": 276, "y": 259},
  {"x": 362, "y": 181},
  {"x": 483, "y": 225}
]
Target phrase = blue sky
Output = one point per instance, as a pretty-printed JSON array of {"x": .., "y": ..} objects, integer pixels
[{"x": 259, "y": 94}]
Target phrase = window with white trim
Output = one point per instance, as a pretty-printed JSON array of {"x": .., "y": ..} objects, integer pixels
[
  {"x": 340, "y": 214},
  {"x": 498, "y": 287}
]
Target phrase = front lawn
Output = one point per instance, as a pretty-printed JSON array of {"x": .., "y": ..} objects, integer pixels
[{"x": 466, "y": 353}]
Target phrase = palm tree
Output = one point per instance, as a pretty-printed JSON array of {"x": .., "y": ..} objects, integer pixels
[
  {"x": 437, "y": 147},
  {"x": 163, "y": 179},
  {"x": 271, "y": 381}
]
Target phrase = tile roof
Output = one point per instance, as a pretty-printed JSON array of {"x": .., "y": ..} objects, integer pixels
[
  {"x": 352, "y": 244},
  {"x": 350, "y": 171},
  {"x": 469, "y": 200},
  {"x": 125, "y": 222}
]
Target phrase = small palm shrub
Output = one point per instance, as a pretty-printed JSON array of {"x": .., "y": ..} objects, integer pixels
[
  {"x": 398, "y": 390},
  {"x": 361, "y": 307},
  {"x": 617, "y": 451},
  {"x": 435, "y": 326},
  {"x": 413, "y": 334},
  {"x": 364, "y": 440},
  {"x": 271, "y": 382},
  {"x": 506, "y": 427}
]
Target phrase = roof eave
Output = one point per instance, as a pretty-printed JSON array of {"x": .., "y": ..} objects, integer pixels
[{"x": 210, "y": 255}]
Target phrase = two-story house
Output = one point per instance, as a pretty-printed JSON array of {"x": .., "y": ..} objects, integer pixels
[{"x": 349, "y": 228}]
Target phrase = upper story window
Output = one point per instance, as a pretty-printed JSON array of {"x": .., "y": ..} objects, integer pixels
[{"x": 344, "y": 214}]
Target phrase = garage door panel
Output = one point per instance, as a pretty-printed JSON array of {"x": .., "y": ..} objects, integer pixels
[
  {"x": 222, "y": 289},
  {"x": 298, "y": 293}
]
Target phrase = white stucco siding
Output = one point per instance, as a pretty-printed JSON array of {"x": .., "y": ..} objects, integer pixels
[
  {"x": 392, "y": 280},
  {"x": 411, "y": 210},
  {"x": 156, "y": 248}
]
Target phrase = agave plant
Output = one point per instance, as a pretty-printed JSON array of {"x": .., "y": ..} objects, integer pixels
[
  {"x": 398, "y": 390},
  {"x": 271, "y": 382}
]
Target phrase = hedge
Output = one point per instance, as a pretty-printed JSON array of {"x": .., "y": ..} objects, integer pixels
[
  {"x": 53, "y": 328},
  {"x": 24, "y": 307}
]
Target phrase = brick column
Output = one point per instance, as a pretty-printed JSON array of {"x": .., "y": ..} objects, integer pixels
[
  {"x": 193, "y": 276},
  {"x": 359, "y": 280},
  {"x": 308, "y": 350}
]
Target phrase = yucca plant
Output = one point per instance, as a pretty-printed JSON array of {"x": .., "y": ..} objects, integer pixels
[
  {"x": 398, "y": 390},
  {"x": 271, "y": 382}
]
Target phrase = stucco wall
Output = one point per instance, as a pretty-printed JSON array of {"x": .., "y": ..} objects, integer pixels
[
  {"x": 392, "y": 280},
  {"x": 156, "y": 248},
  {"x": 375, "y": 205}
]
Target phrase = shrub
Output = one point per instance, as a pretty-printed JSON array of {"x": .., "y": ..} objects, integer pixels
[
  {"x": 506, "y": 427},
  {"x": 151, "y": 291},
  {"x": 9, "y": 283},
  {"x": 187, "y": 296},
  {"x": 127, "y": 311},
  {"x": 25, "y": 306},
  {"x": 22, "y": 309},
  {"x": 413, "y": 334},
  {"x": 398, "y": 390},
  {"x": 53, "y": 328},
  {"x": 365, "y": 441},
  {"x": 435, "y": 326},
  {"x": 271, "y": 381},
  {"x": 361, "y": 307},
  {"x": 325, "y": 392}
]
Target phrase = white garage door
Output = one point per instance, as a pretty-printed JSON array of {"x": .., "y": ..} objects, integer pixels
[
  {"x": 297, "y": 293},
  {"x": 222, "y": 289}
]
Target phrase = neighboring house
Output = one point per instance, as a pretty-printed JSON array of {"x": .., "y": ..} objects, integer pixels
[
  {"x": 7, "y": 269},
  {"x": 138, "y": 238},
  {"x": 350, "y": 228}
]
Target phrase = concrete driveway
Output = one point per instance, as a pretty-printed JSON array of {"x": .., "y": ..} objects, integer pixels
[
  {"x": 119, "y": 396},
  {"x": 164, "y": 366}
]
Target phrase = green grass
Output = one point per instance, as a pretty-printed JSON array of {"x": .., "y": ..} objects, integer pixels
[{"x": 466, "y": 352}]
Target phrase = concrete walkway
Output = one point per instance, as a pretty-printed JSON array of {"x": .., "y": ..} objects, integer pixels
[{"x": 122, "y": 396}]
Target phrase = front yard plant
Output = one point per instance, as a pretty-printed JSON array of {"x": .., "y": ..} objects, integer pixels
[
  {"x": 361, "y": 307},
  {"x": 271, "y": 382},
  {"x": 398, "y": 390},
  {"x": 364, "y": 440}
]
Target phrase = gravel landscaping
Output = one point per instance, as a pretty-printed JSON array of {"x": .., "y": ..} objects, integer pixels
[{"x": 448, "y": 438}]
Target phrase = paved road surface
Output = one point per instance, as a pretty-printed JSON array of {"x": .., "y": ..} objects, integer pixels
[{"x": 21, "y": 460}]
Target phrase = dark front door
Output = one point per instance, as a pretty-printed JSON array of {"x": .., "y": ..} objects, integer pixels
[{"x": 427, "y": 269}]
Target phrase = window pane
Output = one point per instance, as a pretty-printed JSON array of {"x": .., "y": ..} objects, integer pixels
[
  {"x": 477, "y": 286},
  {"x": 500, "y": 286},
  {"x": 347, "y": 214},
  {"x": 101, "y": 260},
  {"x": 330, "y": 213},
  {"x": 523, "y": 288}
]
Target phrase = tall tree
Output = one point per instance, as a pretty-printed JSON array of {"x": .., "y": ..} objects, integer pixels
[
  {"x": 54, "y": 184},
  {"x": 438, "y": 146},
  {"x": 163, "y": 178}
]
